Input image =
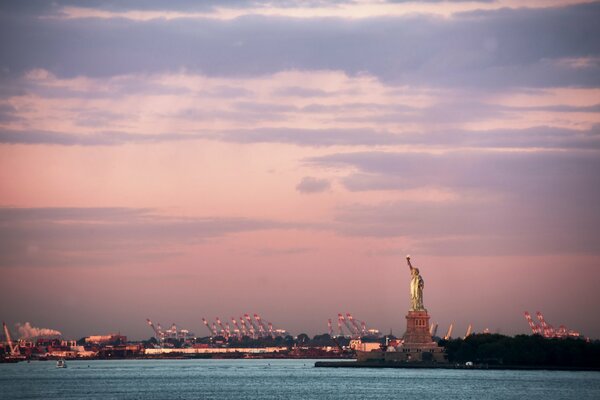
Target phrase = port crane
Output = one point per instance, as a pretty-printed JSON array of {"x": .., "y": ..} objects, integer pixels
[
  {"x": 363, "y": 326},
  {"x": 547, "y": 330},
  {"x": 223, "y": 330},
  {"x": 449, "y": 333},
  {"x": 355, "y": 327},
  {"x": 213, "y": 332},
  {"x": 354, "y": 324},
  {"x": 237, "y": 328},
  {"x": 469, "y": 331},
  {"x": 172, "y": 331},
  {"x": 535, "y": 328},
  {"x": 255, "y": 329},
  {"x": 158, "y": 333},
  {"x": 245, "y": 328},
  {"x": 13, "y": 348},
  {"x": 261, "y": 326},
  {"x": 433, "y": 329},
  {"x": 347, "y": 324},
  {"x": 339, "y": 326}
]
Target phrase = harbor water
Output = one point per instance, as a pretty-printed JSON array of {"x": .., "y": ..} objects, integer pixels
[{"x": 280, "y": 379}]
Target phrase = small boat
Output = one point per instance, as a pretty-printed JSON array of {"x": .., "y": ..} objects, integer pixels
[{"x": 61, "y": 363}]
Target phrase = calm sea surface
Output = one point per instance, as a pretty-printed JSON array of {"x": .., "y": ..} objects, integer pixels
[{"x": 280, "y": 379}]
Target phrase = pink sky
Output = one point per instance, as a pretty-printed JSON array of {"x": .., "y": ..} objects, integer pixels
[{"x": 223, "y": 161}]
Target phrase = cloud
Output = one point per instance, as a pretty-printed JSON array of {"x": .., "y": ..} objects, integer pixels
[
  {"x": 476, "y": 226},
  {"x": 385, "y": 117},
  {"x": 563, "y": 108},
  {"x": 521, "y": 202},
  {"x": 538, "y": 137},
  {"x": 89, "y": 139},
  {"x": 309, "y": 137},
  {"x": 8, "y": 113},
  {"x": 229, "y": 92},
  {"x": 44, "y": 8},
  {"x": 535, "y": 137},
  {"x": 483, "y": 49},
  {"x": 40, "y": 7},
  {"x": 441, "y": 1},
  {"x": 98, "y": 118},
  {"x": 299, "y": 91},
  {"x": 457, "y": 111},
  {"x": 302, "y": 137},
  {"x": 467, "y": 169},
  {"x": 99, "y": 236},
  {"x": 309, "y": 184}
]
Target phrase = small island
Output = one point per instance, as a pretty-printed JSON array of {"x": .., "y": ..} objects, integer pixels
[{"x": 417, "y": 348}]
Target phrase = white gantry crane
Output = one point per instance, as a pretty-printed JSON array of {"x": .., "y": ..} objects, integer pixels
[
  {"x": 469, "y": 331},
  {"x": 547, "y": 330},
  {"x": 213, "y": 332},
  {"x": 449, "y": 333},
  {"x": 158, "y": 333},
  {"x": 13, "y": 347}
]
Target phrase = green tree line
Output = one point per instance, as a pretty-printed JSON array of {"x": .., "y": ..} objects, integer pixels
[{"x": 523, "y": 350}]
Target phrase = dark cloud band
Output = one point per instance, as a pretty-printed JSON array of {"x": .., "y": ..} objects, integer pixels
[{"x": 491, "y": 49}]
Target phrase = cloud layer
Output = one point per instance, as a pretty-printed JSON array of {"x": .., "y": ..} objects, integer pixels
[
  {"x": 478, "y": 49},
  {"x": 49, "y": 237},
  {"x": 503, "y": 203}
]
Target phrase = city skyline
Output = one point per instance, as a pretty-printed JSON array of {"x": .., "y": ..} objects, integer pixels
[{"x": 182, "y": 160}]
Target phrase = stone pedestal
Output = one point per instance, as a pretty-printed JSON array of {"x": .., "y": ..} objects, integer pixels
[
  {"x": 417, "y": 328},
  {"x": 417, "y": 346}
]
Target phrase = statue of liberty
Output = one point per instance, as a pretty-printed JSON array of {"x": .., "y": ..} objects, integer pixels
[{"x": 416, "y": 288}]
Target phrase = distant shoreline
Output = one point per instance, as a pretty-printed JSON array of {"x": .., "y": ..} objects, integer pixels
[
  {"x": 357, "y": 364},
  {"x": 181, "y": 356}
]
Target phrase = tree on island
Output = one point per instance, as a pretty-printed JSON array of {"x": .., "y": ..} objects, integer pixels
[
  {"x": 302, "y": 338},
  {"x": 523, "y": 350}
]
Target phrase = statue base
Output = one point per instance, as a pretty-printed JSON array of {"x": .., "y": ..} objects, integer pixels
[
  {"x": 417, "y": 328},
  {"x": 417, "y": 342},
  {"x": 417, "y": 345}
]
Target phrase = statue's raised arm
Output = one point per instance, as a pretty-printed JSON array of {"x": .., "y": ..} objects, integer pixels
[{"x": 409, "y": 264}]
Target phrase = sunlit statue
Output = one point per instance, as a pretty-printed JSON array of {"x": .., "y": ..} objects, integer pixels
[{"x": 416, "y": 288}]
